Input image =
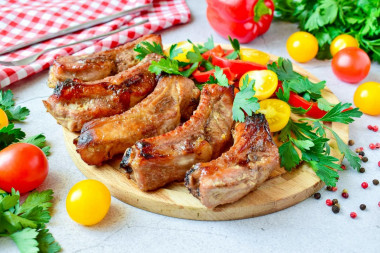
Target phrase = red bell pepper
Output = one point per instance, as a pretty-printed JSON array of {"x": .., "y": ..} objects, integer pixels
[
  {"x": 203, "y": 77},
  {"x": 216, "y": 51},
  {"x": 237, "y": 67},
  {"x": 240, "y": 19}
]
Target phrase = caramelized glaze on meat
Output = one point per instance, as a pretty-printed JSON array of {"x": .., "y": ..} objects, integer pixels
[
  {"x": 238, "y": 171},
  {"x": 157, "y": 161},
  {"x": 174, "y": 98},
  {"x": 74, "y": 103},
  {"x": 96, "y": 66}
]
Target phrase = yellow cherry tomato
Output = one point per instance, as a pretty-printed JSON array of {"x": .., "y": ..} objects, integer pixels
[
  {"x": 367, "y": 96},
  {"x": 3, "y": 119},
  {"x": 302, "y": 46},
  {"x": 253, "y": 55},
  {"x": 266, "y": 82},
  {"x": 277, "y": 113},
  {"x": 186, "y": 47},
  {"x": 342, "y": 41},
  {"x": 88, "y": 202}
]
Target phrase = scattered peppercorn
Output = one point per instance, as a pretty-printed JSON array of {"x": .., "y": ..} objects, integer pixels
[
  {"x": 351, "y": 142},
  {"x": 361, "y": 170},
  {"x": 365, "y": 185},
  {"x": 378, "y": 164},
  {"x": 372, "y": 146},
  {"x": 317, "y": 195},
  {"x": 375, "y": 128},
  {"x": 370, "y": 127},
  {"x": 361, "y": 153},
  {"x": 365, "y": 159},
  {"x": 337, "y": 204},
  {"x": 345, "y": 190},
  {"x": 345, "y": 195},
  {"x": 378, "y": 204},
  {"x": 353, "y": 215},
  {"x": 363, "y": 207},
  {"x": 357, "y": 150},
  {"x": 377, "y": 145},
  {"x": 335, "y": 209},
  {"x": 334, "y": 189},
  {"x": 343, "y": 167},
  {"x": 329, "y": 188},
  {"x": 328, "y": 202},
  {"x": 335, "y": 201},
  {"x": 375, "y": 182}
]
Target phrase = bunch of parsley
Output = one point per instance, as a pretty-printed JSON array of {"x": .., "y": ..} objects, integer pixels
[
  {"x": 25, "y": 224},
  {"x": 327, "y": 19},
  {"x": 10, "y": 134}
]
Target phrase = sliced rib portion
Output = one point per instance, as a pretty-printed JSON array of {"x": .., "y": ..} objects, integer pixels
[
  {"x": 157, "y": 161},
  {"x": 96, "y": 66},
  {"x": 74, "y": 103},
  {"x": 240, "y": 170},
  {"x": 174, "y": 98}
]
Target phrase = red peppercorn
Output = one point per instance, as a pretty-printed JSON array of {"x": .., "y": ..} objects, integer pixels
[
  {"x": 361, "y": 148},
  {"x": 372, "y": 146},
  {"x": 343, "y": 167},
  {"x": 378, "y": 204},
  {"x": 375, "y": 128},
  {"x": 334, "y": 189},
  {"x": 365, "y": 185},
  {"x": 345, "y": 195},
  {"x": 370, "y": 127},
  {"x": 378, "y": 163},
  {"x": 353, "y": 215},
  {"x": 329, "y": 202},
  {"x": 378, "y": 145}
]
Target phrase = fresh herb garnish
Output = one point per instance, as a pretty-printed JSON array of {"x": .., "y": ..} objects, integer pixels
[
  {"x": 326, "y": 19},
  {"x": 244, "y": 101},
  {"x": 236, "y": 46},
  {"x": 220, "y": 77},
  {"x": 145, "y": 47},
  {"x": 25, "y": 224}
]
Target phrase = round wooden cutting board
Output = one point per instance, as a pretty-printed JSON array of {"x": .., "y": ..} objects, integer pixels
[{"x": 281, "y": 190}]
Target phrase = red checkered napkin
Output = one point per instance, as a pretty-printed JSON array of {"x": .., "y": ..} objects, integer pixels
[{"x": 24, "y": 20}]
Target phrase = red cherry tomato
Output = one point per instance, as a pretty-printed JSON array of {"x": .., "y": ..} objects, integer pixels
[
  {"x": 351, "y": 64},
  {"x": 23, "y": 166}
]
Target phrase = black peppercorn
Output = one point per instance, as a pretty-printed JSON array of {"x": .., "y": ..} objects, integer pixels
[
  {"x": 317, "y": 195},
  {"x": 375, "y": 182},
  {"x": 351, "y": 142},
  {"x": 361, "y": 170},
  {"x": 365, "y": 159},
  {"x": 362, "y": 207},
  {"x": 329, "y": 188},
  {"x": 335, "y": 201},
  {"x": 361, "y": 153},
  {"x": 335, "y": 209}
]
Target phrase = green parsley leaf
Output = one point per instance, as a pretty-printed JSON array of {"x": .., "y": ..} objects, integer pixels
[
  {"x": 9, "y": 135},
  {"x": 324, "y": 105},
  {"x": 236, "y": 46},
  {"x": 6, "y": 99},
  {"x": 338, "y": 114},
  {"x": 220, "y": 77},
  {"x": 26, "y": 240},
  {"x": 174, "y": 51},
  {"x": 210, "y": 43},
  {"x": 289, "y": 156},
  {"x": 190, "y": 70},
  {"x": 195, "y": 56},
  {"x": 244, "y": 101},
  {"x": 145, "y": 47},
  {"x": 46, "y": 242},
  {"x": 38, "y": 140},
  {"x": 299, "y": 110},
  {"x": 17, "y": 113},
  {"x": 41, "y": 199},
  {"x": 165, "y": 65}
]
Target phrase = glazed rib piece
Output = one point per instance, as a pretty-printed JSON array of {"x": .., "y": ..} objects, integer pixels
[
  {"x": 157, "y": 161},
  {"x": 96, "y": 66},
  {"x": 240, "y": 170},
  {"x": 74, "y": 103},
  {"x": 174, "y": 98}
]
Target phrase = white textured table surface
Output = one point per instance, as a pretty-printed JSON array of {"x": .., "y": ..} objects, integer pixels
[{"x": 309, "y": 226}]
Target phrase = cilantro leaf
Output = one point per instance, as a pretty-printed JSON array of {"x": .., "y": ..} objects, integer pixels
[
  {"x": 289, "y": 156},
  {"x": 339, "y": 113},
  {"x": 220, "y": 77},
  {"x": 26, "y": 240},
  {"x": 165, "y": 65},
  {"x": 244, "y": 101},
  {"x": 145, "y": 47},
  {"x": 210, "y": 43},
  {"x": 9, "y": 135}
]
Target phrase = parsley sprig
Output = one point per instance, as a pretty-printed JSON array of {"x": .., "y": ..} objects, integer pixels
[
  {"x": 236, "y": 46},
  {"x": 26, "y": 223},
  {"x": 9, "y": 134},
  {"x": 245, "y": 102}
]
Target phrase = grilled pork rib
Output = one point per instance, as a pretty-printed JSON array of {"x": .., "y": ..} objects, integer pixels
[
  {"x": 157, "y": 161},
  {"x": 174, "y": 98},
  {"x": 240, "y": 170},
  {"x": 74, "y": 103},
  {"x": 96, "y": 66}
]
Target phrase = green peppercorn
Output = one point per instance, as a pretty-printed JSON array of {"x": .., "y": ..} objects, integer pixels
[
  {"x": 365, "y": 159},
  {"x": 317, "y": 195},
  {"x": 362, "y": 207},
  {"x": 335, "y": 201},
  {"x": 351, "y": 142},
  {"x": 335, "y": 209},
  {"x": 375, "y": 182},
  {"x": 361, "y": 170}
]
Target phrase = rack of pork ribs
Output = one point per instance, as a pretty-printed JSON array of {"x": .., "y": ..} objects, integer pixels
[{"x": 167, "y": 129}]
